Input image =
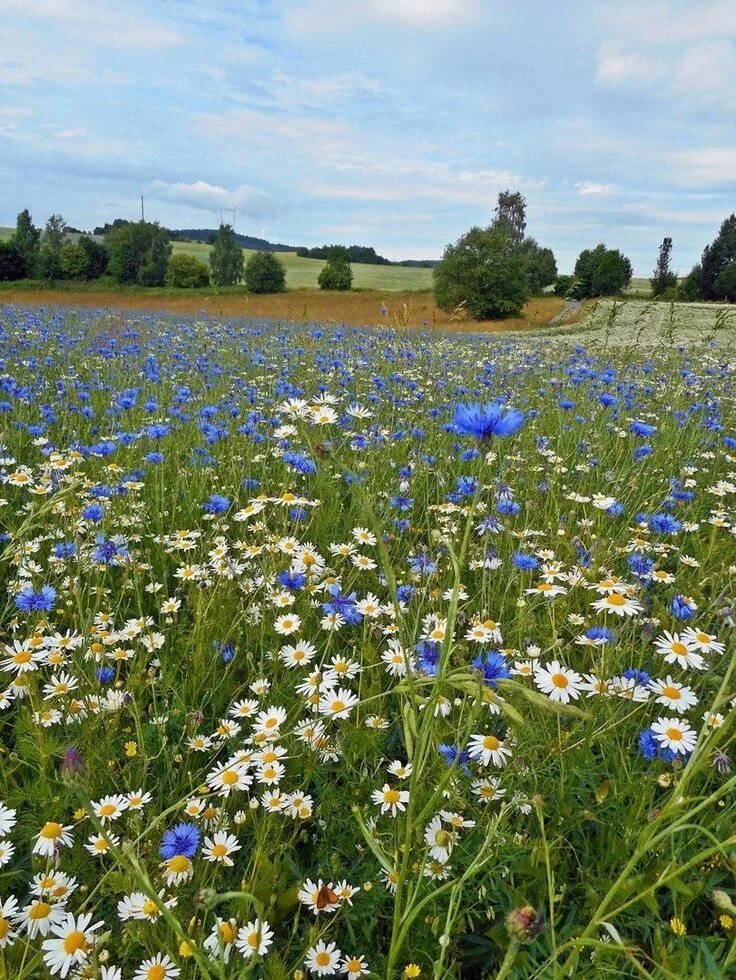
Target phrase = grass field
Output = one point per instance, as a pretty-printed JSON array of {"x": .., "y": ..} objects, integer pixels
[{"x": 366, "y": 653}]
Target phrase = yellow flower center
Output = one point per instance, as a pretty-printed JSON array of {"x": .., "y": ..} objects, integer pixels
[
  {"x": 559, "y": 680},
  {"x": 156, "y": 972},
  {"x": 39, "y": 910},
  {"x": 150, "y": 907},
  {"x": 75, "y": 941},
  {"x": 227, "y": 933},
  {"x": 616, "y": 599},
  {"x": 51, "y": 831},
  {"x": 674, "y": 734},
  {"x": 392, "y": 796},
  {"x": 229, "y": 777},
  {"x": 178, "y": 864},
  {"x": 219, "y": 850},
  {"x": 671, "y": 692},
  {"x": 491, "y": 742},
  {"x": 679, "y": 648},
  {"x": 338, "y": 705},
  {"x": 107, "y": 810},
  {"x": 322, "y": 959}
]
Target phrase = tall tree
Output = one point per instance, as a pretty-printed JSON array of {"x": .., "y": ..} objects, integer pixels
[
  {"x": 664, "y": 278},
  {"x": 717, "y": 256},
  {"x": 139, "y": 253},
  {"x": 510, "y": 215},
  {"x": 26, "y": 240},
  {"x": 226, "y": 258}
]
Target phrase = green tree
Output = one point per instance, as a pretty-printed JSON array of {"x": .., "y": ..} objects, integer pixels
[
  {"x": 226, "y": 258},
  {"x": 139, "y": 253},
  {"x": 541, "y": 266},
  {"x": 12, "y": 264},
  {"x": 601, "y": 271},
  {"x": 53, "y": 233},
  {"x": 716, "y": 257},
  {"x": 664, "y": 278},
  {"x": 73, "y": 261},
  {"x": 485, "y": 271},
  {"x": 187, "y": 272},
  {"x": 26, "y": 240},
  {"x": 336, "y": 274},
  {"x": 725, "y": 284},
  {"x": 97, "y": 256},
  {"x": 510, "y": 215},
  {"x": 563, "y": 285},
  {"x": 264, "y": 273}
]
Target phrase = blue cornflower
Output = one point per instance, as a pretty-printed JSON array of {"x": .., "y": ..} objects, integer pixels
[
  {"x": 664, "y": 524},
  {"x": 293, "y": 581},
  {"x": 682, "y": 607},
  {"x": 64, "y": 549},
  {"x": 227, "y": 651},
  {"x": 428, "y": 659},
  {"x": 422, "y": 564},
  {"x": 642, "y": 428},
  {"x": 648, "y": 745},
  {"x": 27, "y": 600},
  {"x": 105, "y": 675},
  {"x": 300, "y": 462},
  {"x": 216, "y": 504},
  {"x": 183, "y": 839},
  {"x": 599, "y": 634},
  {"x": 93, "y": 512},
  {"x": 455, "y": 756},
  {"x": 108, "y": 552},
  {"x": 523, "y": 561},
  {"x": 485, "y": 421},
  {"x": 405, "y": 593},
  {"x": 640, "y": 676},
  {"x": 342, "y": 605},
  {"x": 492, "y": 666}
]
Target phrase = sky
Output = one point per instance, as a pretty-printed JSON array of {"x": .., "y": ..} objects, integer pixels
[{"x": 392, "y": 123}]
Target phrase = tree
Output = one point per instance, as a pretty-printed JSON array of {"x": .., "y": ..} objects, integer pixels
[
  {"x": 725, "y": 284},
  {"x": 664, "y": 278},
  {"x": 264, "y": 273},
  {"x": 53, "y": 233},
  {"x": 485, "y": 271},
  {"x": 563, "y": 285},
  {"x": 97, "y": 256},
  {"x": 48, "y": 258},
  {"x": 510, "y": 214},
  {"x": 186, "y": 272},
  {"x": 716, "y": 257},
  {"x": 226, "y": 258},
  {"x": 73, "y": 261},
  {"x": 139, "y": 253},
  {"x": 601, "y": 271},
  {"x": 541, "y": 267},
  {"x": 26, "y": 241},
  {"x": 12, "y": 265},
  {"x": 336, "y": 274}
]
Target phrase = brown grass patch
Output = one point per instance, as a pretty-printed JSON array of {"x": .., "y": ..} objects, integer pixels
[{"x": 360, "y": 308}]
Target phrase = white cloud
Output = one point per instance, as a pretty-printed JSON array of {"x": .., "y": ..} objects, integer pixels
[
  {"x": 706, "y": 74},
  {"x": 213, "y": 198},
  {"x": 317, "y": 16},
  {"x": 710, "y": 166},
  {"x": 590, "y": 187},
  {"x": 97, "y": 22},
  {"x": 659, "y": 22},
  {"x": 618, "y": 64}
]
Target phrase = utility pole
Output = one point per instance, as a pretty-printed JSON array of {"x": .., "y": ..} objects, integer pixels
[{"x": 143, "y": 216}]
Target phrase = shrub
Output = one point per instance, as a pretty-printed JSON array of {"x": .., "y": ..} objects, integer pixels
[
  {"x": 601, "y": 271},
  {"x": 97, "y": 256},
  {"x": 139, "y": 253},
  {"x": 226, "y": 258},
  {"x": 264, "y": 273},
  {"x": 541, "y": 266},
  {"x": 725, "y": 284},
  {"x": 12, "y": 265},
  {"x": 73, "y": 261},
  {"x": 485, "y": 271},
  {"x": 563, "y": 285},
  {"x": 48, "y": 263},
  {"x": 186, "y": 272},
  {"x": 337, "y": 273}
]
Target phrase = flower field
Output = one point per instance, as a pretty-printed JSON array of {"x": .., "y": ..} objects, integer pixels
[{"x": 363, "y": 653}]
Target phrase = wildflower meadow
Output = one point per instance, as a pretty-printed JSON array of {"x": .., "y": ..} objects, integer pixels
[{"x": 331, "y": 651}]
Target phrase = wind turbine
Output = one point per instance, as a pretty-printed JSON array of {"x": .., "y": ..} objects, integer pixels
[{"x": 232, "y": 211}]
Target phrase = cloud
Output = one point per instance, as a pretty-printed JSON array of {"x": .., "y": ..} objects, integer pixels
[
  {"x": 590, "y": 187},
  {"x": 617, "y": 65},
  {"x": 661, "y": 23},
  {"x": 98, "y": 22},
  {"x": 318, "y": 16},
  {"x": 213, "y": 198},
  {"x": 706, "y": 167},
  {"x": 706, "y": 74}
]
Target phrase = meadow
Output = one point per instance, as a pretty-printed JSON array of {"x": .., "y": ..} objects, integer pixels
[{"x": 332, "y": 651}]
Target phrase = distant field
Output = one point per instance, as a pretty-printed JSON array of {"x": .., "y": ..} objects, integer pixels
[{"x": 302, "y": 273}]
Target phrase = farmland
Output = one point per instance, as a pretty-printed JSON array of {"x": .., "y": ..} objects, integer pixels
[{"x": 375, "y": 652}]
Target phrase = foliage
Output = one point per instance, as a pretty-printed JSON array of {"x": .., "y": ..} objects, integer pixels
[
  {"x": 97, "y": 256},
  {"x": 541, "y": 266},
  {"x": 725, "y": 284},
  {"x": 226, "y": 258},
  {"x": 186, "y": 272},
  {"x": 510, "y": 215},
  {"x": 355, "y": 253},
  {"x": 73, "y": 261},
  {"x": 27, "y": 239},
  {"x": 664, "y": 278},
  {"x": 563, "y": 285},
  {"x": 264, "y": 273},
  {"x": 485, "y": 272},
  {"x": 12, "y": 264},
  {"x": 139, "y": 253},
  {"x": 601, "y": 271},
  {"x": 336, "y": 274},
  {"x": 716, "y": 257}
]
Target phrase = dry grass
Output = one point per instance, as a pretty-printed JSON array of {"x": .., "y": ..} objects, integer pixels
[{"x": 404, "y": 309}]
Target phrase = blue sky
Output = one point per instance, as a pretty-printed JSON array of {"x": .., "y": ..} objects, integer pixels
[{"x": 386, "y": 122}]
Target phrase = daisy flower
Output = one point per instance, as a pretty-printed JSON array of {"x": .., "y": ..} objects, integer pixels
[
  {"x": 558, "y": 682},
  {"x": 159, "y": 967},
  {"x": 8, "y": 915},
  {"x": 37, "y": 917},
  {"x": 309, "y": 895},
  {"x": 7, "y": 850},
  {"x": 71, "y": 943},
  {"x": 287, "y": 624},
  {"x": 354, "y": 967},
  {"x": 323, "y": 959},
  {"x": 677, "y": 649},
  {"x": 7, "y": 820},
  {"x": 488, "y": 748},
  {"x": 227, "y": 778},
  {"x": 701, "y": 641},
  {"x": 675, "y": 734},
  {"x": 221, "y": 940},
  {"x": 109, "y": 808},
  {"x": 51, "y": 837},
  {"x": 254, "y": 939},
  {"x": 220, "y": 847},
  {"x": 439, "y": 840},
  {"x": 338, "y": 704},
  {"x": 673, "y": 695},
  {"x": 390, "y": 799},
  {"x": 618, "y": 604}
]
